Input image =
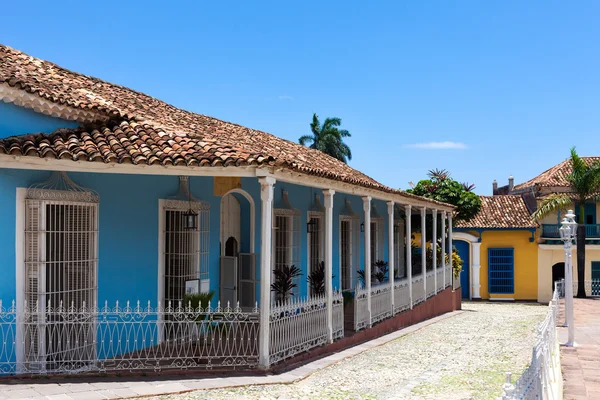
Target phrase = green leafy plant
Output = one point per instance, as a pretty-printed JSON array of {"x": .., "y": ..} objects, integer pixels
[
  {"x": 316, "y": 280},
  {"x": 198, "y": 299},
  {"x": 348, "y": 297},
  {"x": 283, "y": 284},
  {"x": 379, "y": 271}
]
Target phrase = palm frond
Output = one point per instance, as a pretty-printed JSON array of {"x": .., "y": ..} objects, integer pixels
[
  {"x": 304, "y": 139},
  {"x": 468, "y": 187},
  {"x": 331, "y": 123},
  {"x": 315, "y": 125},
  {"x": 552, "y": 203},
  {"x": 438, "y": 174}
]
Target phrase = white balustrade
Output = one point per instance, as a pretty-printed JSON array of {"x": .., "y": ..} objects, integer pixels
[
  {"x": 361, "y": 310},
  {"x": 418, "y": 290},
  {"x": 299, "y": 325},
  {"x": 539, "y": 381},
  {"x": 401, "y": 295}
]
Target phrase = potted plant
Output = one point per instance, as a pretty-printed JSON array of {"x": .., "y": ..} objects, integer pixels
[
  {"x": 283, "y": 284},
  {"x": 316, "y": 280}
]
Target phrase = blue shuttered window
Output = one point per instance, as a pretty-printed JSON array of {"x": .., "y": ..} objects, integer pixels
[{"x": 501, "y": 271}]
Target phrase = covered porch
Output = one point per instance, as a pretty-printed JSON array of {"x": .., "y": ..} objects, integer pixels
[{"x": 104, "y": 262}]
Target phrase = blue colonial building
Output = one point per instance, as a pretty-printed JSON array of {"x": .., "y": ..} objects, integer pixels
[{"x": 115, "y": 204}]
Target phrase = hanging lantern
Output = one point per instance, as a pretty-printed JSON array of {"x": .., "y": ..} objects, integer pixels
[{"x": 190, "y": 218}]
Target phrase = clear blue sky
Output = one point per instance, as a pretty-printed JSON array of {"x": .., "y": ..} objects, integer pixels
[{"x": 516, "y": 83}]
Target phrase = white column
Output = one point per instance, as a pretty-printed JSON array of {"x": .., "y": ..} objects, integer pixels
[
  {"x": 434, "y": 249},
  {"x": 569, "y": 298},
  {"x": 391, "y": 275},
  {"x": 475, "y": 267},
  {"x": 409, "y": 254},
  {"x": 328, "y": 194},
  {"x": 367, "y": 210},
  {"x": 450, "y": 247},
  {"x": 424, "y": 249},
  {"x": 266, "y": 227},
  {"x": 444, "y": 246}
]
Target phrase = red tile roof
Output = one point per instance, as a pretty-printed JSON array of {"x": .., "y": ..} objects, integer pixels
[
  {"x": 145, "y": 130},
  {"x": 555, "y": 176},
  {"x": 508, "y": 211}
]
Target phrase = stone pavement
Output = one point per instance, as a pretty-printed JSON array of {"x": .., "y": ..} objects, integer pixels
[
  {"x": 115, "y": 388},
  {"x": 581, "y": 364}
]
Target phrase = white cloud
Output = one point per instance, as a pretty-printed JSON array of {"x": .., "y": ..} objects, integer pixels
[
  {"x": 285, "y": 97},
  {"x": 437, "y": 146}
]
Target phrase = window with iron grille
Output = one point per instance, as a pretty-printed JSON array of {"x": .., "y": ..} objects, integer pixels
[
  {"x": 349, "y": 227},
  {"x": 377, "y": 227},
  {"x": 501, "y": 271},
  {"x": 399, "y": 249},
  {"x": 286, "y": 246},
  {"x": 61, "y": 261},
  {"x": 316, "y": 239}
]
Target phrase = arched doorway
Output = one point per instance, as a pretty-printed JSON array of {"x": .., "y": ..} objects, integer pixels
[
  {"x": 463, "y": 252},
  {"x": 558, "y": 273},
  {"x": 238, "y": 262}
]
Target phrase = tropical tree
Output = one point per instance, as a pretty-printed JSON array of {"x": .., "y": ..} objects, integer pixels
[
  {"x": 584, "y": 181},
  {"x": 440, "y": 186},
  {"x": 328, "y": 138}
]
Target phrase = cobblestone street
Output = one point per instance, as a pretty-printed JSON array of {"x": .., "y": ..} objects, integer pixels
[{"x": 463, "y": 357}]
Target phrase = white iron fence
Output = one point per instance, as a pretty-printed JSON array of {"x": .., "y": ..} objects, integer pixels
[
  {"x": 381, "y": 302},
  {"x": 592, "y": 287},
  {"x": 440, "y": 279},
  {"x": 50, "y": 340},
  {"x": 401, "y": 295},
  {"x": 542, "y": 379},
  {"x": 448, "y": 276},
  {"x": 299, "y": 325},
  {"x": 418, "y": 290},
  {"x": 361, "y": 310},
  {"x": 430, "y": 284}
]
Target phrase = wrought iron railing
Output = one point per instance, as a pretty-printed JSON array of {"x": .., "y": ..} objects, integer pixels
[
  {"x": 401, "y": 295},
  {"x": 430, "y": 284},
  {"x": 552, "y": 231},
  {"x": 60, "y": 339},
  {"x": 448, "y": 276},
  {"x": 440, "y": 279},
  {"x": 361, "y": 310},
  {"x": 418, "y": 290},
  {"x": 381, "y": 302},
  {"x": 541, "y": 379},
  {"x": 299, "y": 325},
  {"x": 592, "y": 287}
]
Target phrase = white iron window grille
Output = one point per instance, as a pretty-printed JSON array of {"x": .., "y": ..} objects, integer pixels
[
  {"x": 286, "y": 237},
  {"x": 316, "y": 240},
  {"x": 349, "y": 242},
  {"x": 399, "y": 249},
  {"x": 186, "y": 250},
  {"x": 61, "y": 262},
  {"x": 377, "y": 227}
]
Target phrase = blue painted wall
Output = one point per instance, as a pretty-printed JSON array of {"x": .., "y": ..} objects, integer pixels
[{"x": 15, "y": 120}]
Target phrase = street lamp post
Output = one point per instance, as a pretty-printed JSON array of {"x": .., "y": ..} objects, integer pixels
[{"x": 568, "y": 232}]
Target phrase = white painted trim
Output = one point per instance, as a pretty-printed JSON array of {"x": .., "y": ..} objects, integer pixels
[
  {"x": 161, "y": 266},
  {"x": 321, "y": 216},
  {"x": 367, "y": 252},
  {"x": 466, "y": 237},
  {"x": 266, "y": 243},
  {"x": 328, "y": 196},
  {"x": 501, "y": 299},
  {"x": 21, "y": 193},
  {"x": 252, "y": 215}
]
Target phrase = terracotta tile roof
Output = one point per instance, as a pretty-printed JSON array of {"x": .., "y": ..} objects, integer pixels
[
  {"x": 507, "y": 211},
  {"x": 555, "y": 176},
  {"x": 145, "y": 130}
]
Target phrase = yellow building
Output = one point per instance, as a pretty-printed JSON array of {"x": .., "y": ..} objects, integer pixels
[
  {"x": 507, "y": 255},
  {"x": 499, "y": 251}
]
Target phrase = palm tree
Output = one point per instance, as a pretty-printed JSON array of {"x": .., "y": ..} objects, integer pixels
[
  {"x": 584, "y": 183},
  {"x": 328, "y": 138}
]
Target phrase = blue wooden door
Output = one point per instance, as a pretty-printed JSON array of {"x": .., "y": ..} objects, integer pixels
[{"x": 463, "y": 251}]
